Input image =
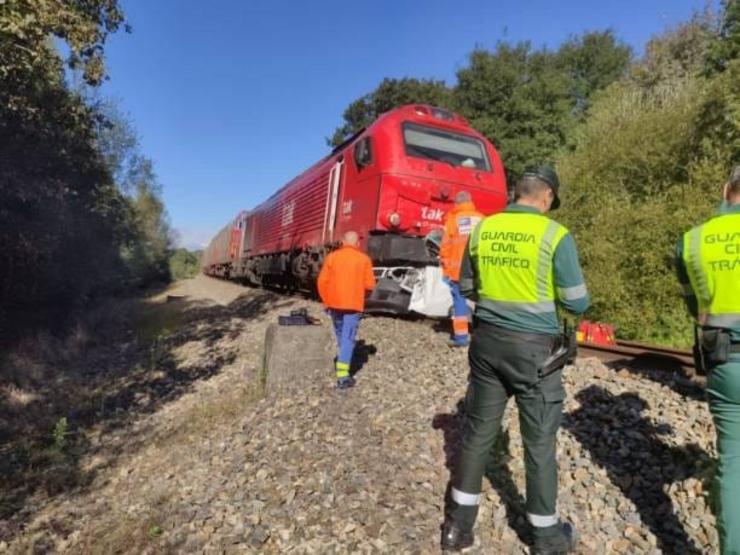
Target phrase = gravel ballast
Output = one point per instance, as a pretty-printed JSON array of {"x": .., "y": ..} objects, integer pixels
[{"x": 318, "y": 470}]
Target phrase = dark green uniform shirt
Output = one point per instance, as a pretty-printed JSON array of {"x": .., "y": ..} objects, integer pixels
[{"x": 570, "y": 288}]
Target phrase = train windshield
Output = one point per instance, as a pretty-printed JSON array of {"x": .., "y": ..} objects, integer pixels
[{"x": 445, "y": 146}]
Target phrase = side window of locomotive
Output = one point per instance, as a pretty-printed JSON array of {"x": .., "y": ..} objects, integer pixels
[
  {"x": 441, "y": 145},
  {"x": 363, "y": 153}
]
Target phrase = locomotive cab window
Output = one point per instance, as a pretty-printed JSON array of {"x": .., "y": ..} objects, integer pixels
[
  {"x": 363, "y": 153},
  {"x": 441, "y": 145}
]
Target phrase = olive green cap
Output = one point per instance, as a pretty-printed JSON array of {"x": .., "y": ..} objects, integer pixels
[{"x": 547, "y": 174}]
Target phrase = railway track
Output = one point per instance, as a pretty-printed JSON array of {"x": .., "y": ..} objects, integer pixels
[{"x": 640, "y": 355}]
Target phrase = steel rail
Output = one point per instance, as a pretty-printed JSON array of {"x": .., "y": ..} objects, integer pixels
[{"x": 631, "y": 353}]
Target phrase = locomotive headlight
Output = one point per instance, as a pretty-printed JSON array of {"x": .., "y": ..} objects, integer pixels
[{"x": 394, "y": 218}]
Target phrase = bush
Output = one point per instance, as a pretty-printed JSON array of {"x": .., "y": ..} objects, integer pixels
[
  {"x": 184, "y": 264},
  {"x": 648, "y": 165}
]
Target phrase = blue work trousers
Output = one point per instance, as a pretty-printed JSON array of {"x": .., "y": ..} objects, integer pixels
[
  {"x": 345, "y": 328},
  {"x": 459, "y": 304}
]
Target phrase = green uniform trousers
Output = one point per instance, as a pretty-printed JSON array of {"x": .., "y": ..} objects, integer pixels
[
  {"x": 723, "y": 390},
  {"x": 505, "y": 363}
]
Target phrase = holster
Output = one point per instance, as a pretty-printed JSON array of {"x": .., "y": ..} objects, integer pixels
[
  {"x": 712, "y": 347},
  {"x": 564, "y": 352}
]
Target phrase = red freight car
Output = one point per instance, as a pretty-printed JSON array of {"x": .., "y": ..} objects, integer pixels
[
  {"x": 393, "y": 183},
  {"x": 224, "y": 249}
]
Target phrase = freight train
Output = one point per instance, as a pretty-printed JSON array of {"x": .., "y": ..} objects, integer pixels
[{"x": 392, "y": 182}]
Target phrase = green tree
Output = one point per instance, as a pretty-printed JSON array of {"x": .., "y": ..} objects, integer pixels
[
  {"x": 390, "y": 94},
  {"x": 147, "y": 254},
  {"x": 676, "y": 54},
  {"x": 648, "y": 164},
  {"x": 84, "y": 25},
  {"x": 149, "y": 238},
  {"x": 61, "y": 217},
  {"x": 184, "y": 264},
  {"x": 115, "y": 140},
  {"x": 527, "y": 101},
  {"x": 726, "y": 44},
  {"x": 517, "y": 98},
  {"x": 71, "y": 209},
  {"x": 591, "y": 62}
]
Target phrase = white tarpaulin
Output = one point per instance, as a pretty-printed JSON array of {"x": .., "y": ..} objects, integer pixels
[{"x": 431, "y": 296}]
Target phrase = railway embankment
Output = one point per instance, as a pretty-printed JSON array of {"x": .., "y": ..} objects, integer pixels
[{"x": 199, "y": 458}]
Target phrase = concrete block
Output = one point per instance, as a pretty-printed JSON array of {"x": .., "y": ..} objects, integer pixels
[{"x": 297, "y": 356}]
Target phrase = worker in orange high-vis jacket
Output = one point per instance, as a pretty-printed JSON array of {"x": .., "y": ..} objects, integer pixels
[
  {"x": 345, "y": 277},
  {"x": 459, "y": 224}
]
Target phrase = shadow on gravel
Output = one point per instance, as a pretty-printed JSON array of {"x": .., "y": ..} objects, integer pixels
[
  {"x": 442, "y": 326},
  {"x": 361, "y": 355},
  {"x": 55, "y": 392},
  {"x": 497, "y": 470},
  {"x": 499, "y": 475},
  {"x": 661, "y": 370},
  {"x": 452, "y": 429},
  {"x": 628, "y": 446}
]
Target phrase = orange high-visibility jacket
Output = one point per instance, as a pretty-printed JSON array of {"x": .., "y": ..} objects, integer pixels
[
  {"x": 459, "y": 224},
  {"x": 345, "y": 276}
]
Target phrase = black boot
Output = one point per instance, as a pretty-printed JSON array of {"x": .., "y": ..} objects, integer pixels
[
  {"x": 454, "y": 539},
  {"x": 559, "y": 543}
]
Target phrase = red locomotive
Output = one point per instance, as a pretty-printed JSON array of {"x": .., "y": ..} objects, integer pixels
[{"x": 393, "y": 183}]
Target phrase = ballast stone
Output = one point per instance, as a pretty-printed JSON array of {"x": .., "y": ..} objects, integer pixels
[{"x": 295, "y": 357}]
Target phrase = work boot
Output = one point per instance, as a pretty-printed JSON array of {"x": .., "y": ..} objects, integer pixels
[
  {"x": 454, "y": 539},
  {"x": 561, "y": 542},
  {"x": 346, "y": 382},
  {"x": 460, "y": 342}
]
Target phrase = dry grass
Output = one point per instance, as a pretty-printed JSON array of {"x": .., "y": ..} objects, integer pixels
[
  {"x": 115, "y": 532},
  {"x": 138, "y": 531},
  {"x": 119, "y": 364},
  {"x": 44, "y": 356},
  {"x": 50, "y": 376},
  {"x": 159, "y": 320},
  {"x": 17, "y": 397}
]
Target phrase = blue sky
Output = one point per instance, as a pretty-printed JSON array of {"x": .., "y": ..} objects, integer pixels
[{"x": 232, "y": 98}]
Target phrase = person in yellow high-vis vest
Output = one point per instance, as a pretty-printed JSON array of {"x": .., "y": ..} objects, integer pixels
[
  {"x": 518, "y": 267},
  {"x": 708, "y": 263}
]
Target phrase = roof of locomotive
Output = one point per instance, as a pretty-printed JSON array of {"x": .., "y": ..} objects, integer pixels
[
  {"x": 417, "y": 113},
  {"x": 424, "y": 113}
]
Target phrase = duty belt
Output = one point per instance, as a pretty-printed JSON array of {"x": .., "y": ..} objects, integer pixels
[
  {"x": 712, "y": 347},
  {"x": 520, "y": 336}
]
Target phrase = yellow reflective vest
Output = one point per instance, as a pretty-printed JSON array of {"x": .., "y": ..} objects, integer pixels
[
  {"x": 711, "y": 254},
  {"x": 514, "y": 254}
]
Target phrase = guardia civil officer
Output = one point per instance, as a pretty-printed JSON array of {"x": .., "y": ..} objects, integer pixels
[
  {"x": 345, "y": 277},
  {"x": 460, "y": 222},
  {"x": 518, "y": 267},
  {"x": 708, "y": 262}
]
